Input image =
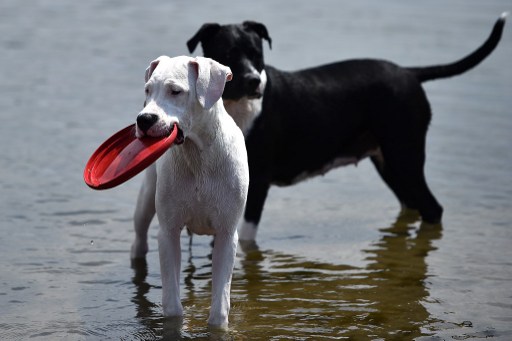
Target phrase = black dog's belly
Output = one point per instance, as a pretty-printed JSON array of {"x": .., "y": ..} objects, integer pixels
[{"x": 304, "y": 163}]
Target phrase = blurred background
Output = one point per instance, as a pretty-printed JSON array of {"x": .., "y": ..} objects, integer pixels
[{"x": 334, "y": 261}]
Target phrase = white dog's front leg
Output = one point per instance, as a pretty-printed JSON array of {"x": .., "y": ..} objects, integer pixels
[
  {"x": 144, "y": 213},
  {"x": 223, "y": 260},
  {"x": 170, "y": 265}
]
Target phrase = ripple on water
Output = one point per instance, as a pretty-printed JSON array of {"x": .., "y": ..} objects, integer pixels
[
  {"x": 19, "y": 288},
  {"x": 95, "y": 263},
  {"x": 81, "y": 212},
  {"x": 87, "y": 222}
]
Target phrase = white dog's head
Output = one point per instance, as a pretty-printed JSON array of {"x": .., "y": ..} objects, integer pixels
[{"x": 179, "y": 91}]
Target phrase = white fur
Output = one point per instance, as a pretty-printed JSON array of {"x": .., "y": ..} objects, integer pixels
[
  {"x": 248, "y": 230},
  {"x": 201, "y": 184},
  {"x": 245, "y": 110}
]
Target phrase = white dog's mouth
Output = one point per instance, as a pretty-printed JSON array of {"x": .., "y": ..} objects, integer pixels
[
  {"x": 149, "y": 125},
  {"x": 180, "y": 137}
]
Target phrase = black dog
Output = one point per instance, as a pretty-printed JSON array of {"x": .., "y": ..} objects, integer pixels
[{"x": 301, "y": 124}]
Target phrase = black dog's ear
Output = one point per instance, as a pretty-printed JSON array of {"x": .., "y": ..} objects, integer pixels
[
  {"x": 205, "y": 33},
  {"x": 260, "y": 29}
]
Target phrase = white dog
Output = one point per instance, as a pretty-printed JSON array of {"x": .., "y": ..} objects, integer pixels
[{"x": 201, "y": 182}]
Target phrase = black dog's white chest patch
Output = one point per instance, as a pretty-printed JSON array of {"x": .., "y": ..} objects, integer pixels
[{"x": 244, "y": 111}]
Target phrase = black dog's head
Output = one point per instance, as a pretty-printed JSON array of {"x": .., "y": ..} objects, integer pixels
[{"x": 239, "y": 47}]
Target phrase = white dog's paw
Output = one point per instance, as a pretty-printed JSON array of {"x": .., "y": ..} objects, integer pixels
[
  {"x": 139, "y": 249},
  {"x": 218, "y": 321},
  {"x": 173, "y": 311}
]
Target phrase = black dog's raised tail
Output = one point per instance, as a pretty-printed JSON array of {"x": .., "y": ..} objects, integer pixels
[{"x": 448, "y": 70}]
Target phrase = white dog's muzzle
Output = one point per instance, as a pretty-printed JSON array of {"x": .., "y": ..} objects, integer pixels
[{"x": 151, "y": 125}]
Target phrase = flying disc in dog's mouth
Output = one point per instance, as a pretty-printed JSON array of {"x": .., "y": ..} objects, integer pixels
[{"x": 123, "y": 156}]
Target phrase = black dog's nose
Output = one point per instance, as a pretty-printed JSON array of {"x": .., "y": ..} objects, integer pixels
[
  {"x": 145, "y": 121},
  {"x": 252, "y": 81}
]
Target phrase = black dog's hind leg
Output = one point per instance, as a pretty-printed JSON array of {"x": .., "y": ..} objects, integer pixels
[{"x": 402, "y": 168}]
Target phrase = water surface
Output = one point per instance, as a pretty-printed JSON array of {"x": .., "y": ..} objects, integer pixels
[{"x": 334, "y": 259}]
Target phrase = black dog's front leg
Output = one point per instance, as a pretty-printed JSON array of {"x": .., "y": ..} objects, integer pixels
[{"x": 258, "y": 190}]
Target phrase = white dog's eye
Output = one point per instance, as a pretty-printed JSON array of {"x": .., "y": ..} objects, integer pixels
[{"x": 175, "y": 92}]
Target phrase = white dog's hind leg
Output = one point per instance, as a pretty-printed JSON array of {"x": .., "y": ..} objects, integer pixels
[
  {"x": 223, "y": 260},
  {"x": 144, "y": 213},
  {"x": 169, "y": 249}
]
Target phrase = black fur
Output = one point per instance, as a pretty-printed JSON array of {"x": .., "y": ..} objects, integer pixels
[{"x": 347, "y": 109}]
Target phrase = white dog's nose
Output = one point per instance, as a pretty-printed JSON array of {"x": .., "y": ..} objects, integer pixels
[{"x": 146, "y": 121}]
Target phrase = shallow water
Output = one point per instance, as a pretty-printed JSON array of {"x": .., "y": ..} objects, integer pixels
[{"x": 334, "y": 260}]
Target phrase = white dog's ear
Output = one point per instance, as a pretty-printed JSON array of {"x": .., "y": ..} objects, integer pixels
[
  {"x": 152, "y": 66},
  {"x": 211, "y": 79}
]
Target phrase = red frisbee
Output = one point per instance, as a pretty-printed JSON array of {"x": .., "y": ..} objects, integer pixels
[{"x": 123, "y": 156}]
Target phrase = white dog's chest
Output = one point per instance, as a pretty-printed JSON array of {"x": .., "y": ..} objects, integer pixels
[
  {"x": 198, "y": 199},
  {"x": 203, "y": 208}
]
